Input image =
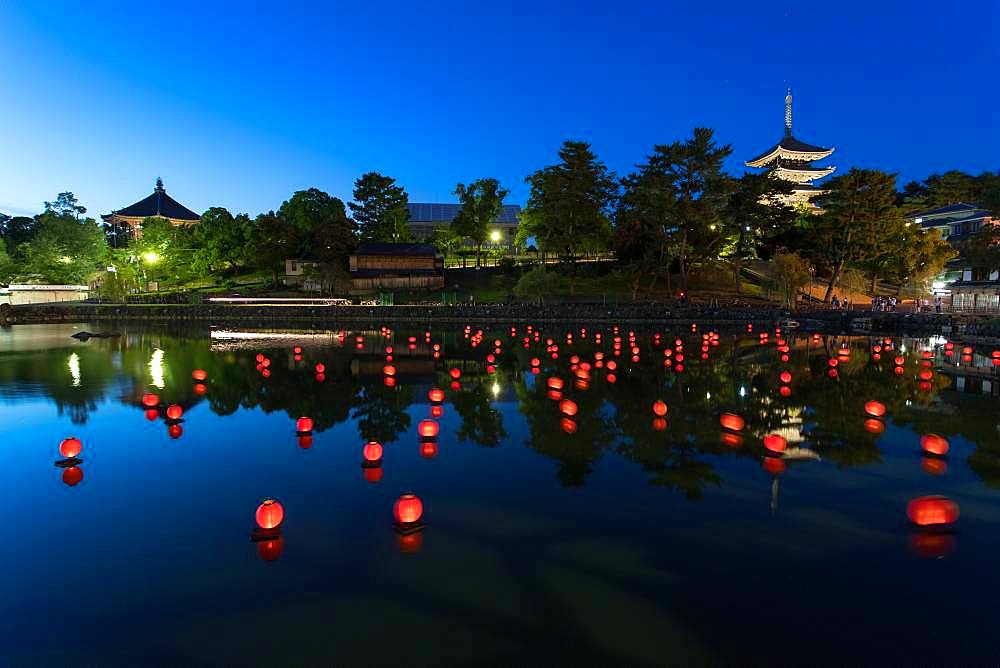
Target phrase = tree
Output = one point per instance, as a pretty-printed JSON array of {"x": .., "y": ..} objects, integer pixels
[
  {"x": 755, "y": 214},
  {"x": 270, "y": 242},
  {"x": 638, "y": 243},
  {"x": 16, "y": 230},
  {"x": 569, "y": 207},
  {"x": 318, "y": 225},
  {"x": 163, "y": 249},
  {"x": 445, "y": 240},
  {"x": 684, "y": 188},
  {"x": 858, "y": 205},
  {"x": 65, "y": 204},
  {"x": 983, "y": 248},
  {"x": 220, "y": 241},
  {"x": 480, "y": 204},
  {"x": 924, "y": 257},
  {"x": 65, "y": 248},
  {"x": 7, "y": 268},
  {"x": 790, "y": 274},
  {"x": 537, "y": 283},
  {"x": 380, "y": 209}
]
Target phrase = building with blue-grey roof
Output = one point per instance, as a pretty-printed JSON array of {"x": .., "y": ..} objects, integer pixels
[{"x": 425, "y": 217}]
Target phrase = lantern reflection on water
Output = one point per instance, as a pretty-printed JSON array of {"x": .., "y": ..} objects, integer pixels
[
  {"x": 72, "y": 476},
  {"x": 175, "y": 431},
  {"x": 567, "y": 425},
  {"x": 774, "y": 465},
  {"x": 270, "y": 550},
  {"x": 873, "y": 426},
  {"x": 933, "y": 465},
  {"x": 659, "y": 424},
  {"x": 428, "y": 449},
  {"x": 305, "y": 441},
  {"x": 932, "y": 545},
  {"x": 373, "y": 474}
]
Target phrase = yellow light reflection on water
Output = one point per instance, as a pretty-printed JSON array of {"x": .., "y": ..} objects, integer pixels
[
  {"x": 156, "y": 369},
  {"x": 74, "y": 369}
]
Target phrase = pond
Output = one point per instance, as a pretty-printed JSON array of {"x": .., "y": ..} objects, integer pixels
[{"x": 579, "y": 505}]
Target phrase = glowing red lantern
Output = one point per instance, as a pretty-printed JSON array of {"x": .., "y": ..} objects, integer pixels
[
  {"x": 832, "y": 362},
  {"x": 926, "y": 374},
  {"x": 732, "y": 422},
  {"x": 456, "y": 373},
  {"x": 269, "y": 514},
  {"x": 555, "y": 383},
  {"x": 436, "y": 395},
  {"x": 933, "y": 444},
  {"x": 389, "y": 370},
  {"x": 70, "y": 447},
  {"x": 932, "y": 511},
  {"x": 150, "y": 400},
  {"x": 408, "y": 509},
  {"x": 785, "y": 391},
  {"x": 775, "y": 443},
  {"x": 72, "y": 476},
  {"x": 304, "y": 425},
  {"x": 372, "y": 452},
  {"x": 568, "y": 407},
  {"x": 875, "y": 408},
  {"x": 785, "y": 377},
  {"x": 659, "y": 408},
  {"x": 428, "y": 429},
  {"x": 174, "y": 412},
  {"x": 199, "y": 375},
  {"x": 320, "y": 368}
]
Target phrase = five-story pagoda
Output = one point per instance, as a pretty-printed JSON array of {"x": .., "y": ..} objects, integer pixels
[{"x": 791, "y": 159}]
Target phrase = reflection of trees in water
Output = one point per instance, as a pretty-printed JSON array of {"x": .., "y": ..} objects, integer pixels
[
  {"x": 741, "y": 377},
  {"x": 481, "y": 423},
  {"x": 381, "y": 411}
]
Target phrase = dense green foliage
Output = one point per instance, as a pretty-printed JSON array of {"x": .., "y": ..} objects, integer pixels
[
  {"x": 379, "y": 209},
  {"x": 480, "y": 205}
]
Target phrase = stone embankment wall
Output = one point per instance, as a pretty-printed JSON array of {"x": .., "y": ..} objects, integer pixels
[{"x": 577, "y": 315}]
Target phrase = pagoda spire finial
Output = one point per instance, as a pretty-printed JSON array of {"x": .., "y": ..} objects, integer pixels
[
  {"x": 788, "y": 112},
  {"x": 159, "y": 184}
]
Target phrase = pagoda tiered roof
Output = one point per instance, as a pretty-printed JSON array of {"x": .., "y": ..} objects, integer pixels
[
  {"x": 159, "y": 204},
  {"x": 789, "y": 148}
]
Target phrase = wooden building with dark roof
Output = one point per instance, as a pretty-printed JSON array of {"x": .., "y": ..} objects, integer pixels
[
  {"x": 383, "y": 266},
  {"x": 157, "y": 205}
]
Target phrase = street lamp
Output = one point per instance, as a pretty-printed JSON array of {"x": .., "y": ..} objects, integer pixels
[
  {"x": 151, "y": 257},
  {"x": 495, "y": 236}
]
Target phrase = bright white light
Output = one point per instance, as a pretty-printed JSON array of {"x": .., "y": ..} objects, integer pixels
[
  {"x": 65, "y": 259},
  {"x": 937, "y": 285},
  {"x": 708, "y": 395},
  {"x": 918, "y": 221},
  {"x": 151, "y": 257},
  {"x": 496, "y": 389},
  {"x": 74, "y": 369},
  {"x": 743, "y": 391},
  {"x": 156, "y": 369},
  {"x": 495, "y": 236}
]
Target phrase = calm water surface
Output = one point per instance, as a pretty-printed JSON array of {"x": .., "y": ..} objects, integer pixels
[{"x": 605, "y": 538}]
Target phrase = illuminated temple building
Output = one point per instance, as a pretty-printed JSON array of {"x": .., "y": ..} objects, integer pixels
[
  {"x": 157, "y": 205},
  {"x": 791, "y": 159}
]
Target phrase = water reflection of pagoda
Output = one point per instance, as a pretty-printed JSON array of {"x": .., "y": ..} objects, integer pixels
[{"x": 791, "y": 160}]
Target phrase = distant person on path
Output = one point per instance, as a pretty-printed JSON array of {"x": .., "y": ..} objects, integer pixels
[
  {"x": 938, "y": 303},
  {"x": 836, "y": 302}
]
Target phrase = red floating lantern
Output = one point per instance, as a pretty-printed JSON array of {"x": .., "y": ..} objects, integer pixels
[
  {"x": 428, "y": 429},
  {"x": 832, "y": 362},
  {"x": 174, "y": 412},
  {"x": 436, "y": 395},
  {"x": 568, "y": 407},
  {"x": 659, "y": 408},
  {"x": 389, "y": 370},
  {"x": 785, "y": 391},
  {"x": 555, "y": 383},
  {"x": 372, "y": 451},
  {"x": 933, "y": 444},
  {"x": 408, "y": 509},
  {"x": 875, "y": 409},
  {"x": 270, "y": 514},
  {"x": 456, "y": 373},
  {"x": 72, "y": 476},
  {"x": 199, "y": 375},
  {"x": 775, "y": 443},
  {"x": 926, "y": 374},
  {"x": 785, "y": 377},
  {"x": 320, "y": 368},
  {"x": 932, "y": 511},
  {"x": 150, "y": 400},
  {"x": 70, "y": 447},
  {"x": 732, "y": 422},
  {"x": 304, "y": 425}
]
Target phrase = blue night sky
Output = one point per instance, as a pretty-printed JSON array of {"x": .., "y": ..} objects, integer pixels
[{"x": 240, "y": 105}]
